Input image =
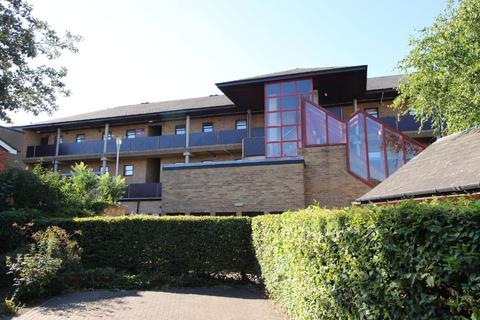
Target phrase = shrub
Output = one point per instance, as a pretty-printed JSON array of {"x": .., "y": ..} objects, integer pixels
[
  {"x": 37, "y": 272},
  {"x": 20, "y": 188},
  {"x": 169, "y": 245},
  {"x": 111, "y": 189},
  {"x": 82, "y": 194},
  {"x": 411, "y": 261}
]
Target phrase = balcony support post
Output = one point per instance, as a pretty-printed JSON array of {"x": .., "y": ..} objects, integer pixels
[
  {"x": 57, "y": 149},
  {"x": 187, "y": 139},
  {"x": 249, "y": 123},
  {"x": 355, "y": 107},
  {"x": 105, "y": 144}
]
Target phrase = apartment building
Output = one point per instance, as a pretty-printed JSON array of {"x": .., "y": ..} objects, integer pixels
[{"x": 271, "y": 143}]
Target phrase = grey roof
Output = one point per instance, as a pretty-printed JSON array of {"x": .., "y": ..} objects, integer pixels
[
  {"x": 203, "y": 102},
  {"x": 386, "y": 82},
  {"x": 147, "y": 108},
  {"x": 288, "y": 73},
  {"x": 450, "y": 165}
]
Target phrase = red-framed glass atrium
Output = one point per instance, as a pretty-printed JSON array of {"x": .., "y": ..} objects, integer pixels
[
  {"x": 374, "y": 150},
  {"x": 283, "y": 100}
]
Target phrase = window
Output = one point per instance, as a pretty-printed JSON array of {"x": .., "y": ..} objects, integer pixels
[
  {"x": 241, "y": 125},
  {"x": 61, "y": 139},
  {"x": 109, "y": 137},
  {"x": 133, "y": 133},
  {"x": 130, "y": 133},
  {"x": 102, "y": 171},
  {"x": 372, "y": 111},
  {"x": 282, "y": 116},
  {"x": 207, "y": 127},
  {"x": 140, "y": 132},
  {"x": 179, "y": 130},
  {"x": 80, "y": 138},
  {"x": 128, "y": 170}
]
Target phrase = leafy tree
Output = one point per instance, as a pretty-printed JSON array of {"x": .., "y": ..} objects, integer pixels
[
  {"x": 443, "y": 70},
  {"x": 28, "y": 79},
  {"x": 80, "y": 189}
]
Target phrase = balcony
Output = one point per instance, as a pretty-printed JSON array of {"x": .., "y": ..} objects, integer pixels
[
  {"x": 137, "y": 191},
  {"x": 406, "y": 123},
  {"x": 144, "y": 144},
  {"x": 254, "y": 146}
]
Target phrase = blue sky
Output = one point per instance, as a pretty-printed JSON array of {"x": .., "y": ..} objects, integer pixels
[{"x": 149, "y": 50}]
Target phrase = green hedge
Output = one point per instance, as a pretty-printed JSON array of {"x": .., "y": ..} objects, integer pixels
[
  {"x": 11, "y": 237},
  {"x": 172, "y": 245},
  {"x": 413, "y": 261}
]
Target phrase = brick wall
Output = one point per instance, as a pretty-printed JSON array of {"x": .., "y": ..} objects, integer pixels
[
  {"x": 327, "y": 179},
  {"x": 253, "y": 188},
  {"x": 152, "y": 207}
]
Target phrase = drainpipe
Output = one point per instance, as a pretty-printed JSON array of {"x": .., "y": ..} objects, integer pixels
[
  {"x": 249, "y": 121},
  {"x": 187, "y": 139},
  {"x": 105, "y": 144},
  {"x": 57, "y": 149},
  {"x": 355, "y": 107}
]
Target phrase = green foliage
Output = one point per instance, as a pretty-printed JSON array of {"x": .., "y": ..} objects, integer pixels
[
  {"x": 9, "y": 306},
  {"x": 111, "y": 189},
  {"x": 27, "y": 80},
  {"x": 169, "y": 245},
  {"x": 19, "y": 188},
  {"x": 84, "y": 193},
  {"x": 412, "y": 261},
  {"x": 12, "y": 235},
  {"x": 443, "y": 69},
  {"x": 36, "y": 273},
  {"x": 80, "y": 189}
]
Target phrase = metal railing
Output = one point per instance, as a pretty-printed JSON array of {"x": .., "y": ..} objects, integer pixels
[
  {"x": 143, "y": 191},
  {"x": 140, "y": 144}
]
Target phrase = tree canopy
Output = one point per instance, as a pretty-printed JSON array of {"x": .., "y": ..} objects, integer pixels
[
  {"x": 29, "y": 80},
  {"x": 442, "y": 81}
]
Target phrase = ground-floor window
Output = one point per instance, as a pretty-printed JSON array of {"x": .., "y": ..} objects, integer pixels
[{"x": 128, "y": 170}]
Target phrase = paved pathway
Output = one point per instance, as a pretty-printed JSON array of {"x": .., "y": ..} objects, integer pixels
[{"x": 175, "y": 304}]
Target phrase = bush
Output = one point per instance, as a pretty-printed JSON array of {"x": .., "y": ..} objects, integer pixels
[
  {"x": 37, "y": 272},
  {"x": 82, "y": 194},
  {"x": 169, "y": 245},
  {"x": 20, "y": 188},
  {"x": 412, "y": 261}
]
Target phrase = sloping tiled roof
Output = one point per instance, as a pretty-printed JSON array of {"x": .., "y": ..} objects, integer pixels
[
  {"x": 386, "y": 82},
  {"x": 148, "y": 108},
  {"x": 450, "y": 164},
  {"x": 202, "y": 102}
]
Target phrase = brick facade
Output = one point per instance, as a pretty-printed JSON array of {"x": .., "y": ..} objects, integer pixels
[
  {"x": 238, "y": 189},
  {"x": 151, "y": 207},
  {"x": 326, "y": 178}
]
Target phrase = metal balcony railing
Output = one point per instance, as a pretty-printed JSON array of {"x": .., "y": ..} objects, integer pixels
[
  {"x": 405, "y": 123},
  {"x": 140, "y": 144},
  {"x": 143, "y": 191}
]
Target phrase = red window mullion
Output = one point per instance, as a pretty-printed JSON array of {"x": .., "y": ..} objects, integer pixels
[
  {"x": 404, "y": 150},
  {"x": 281, "y": 120},
  {"x": 385, "y": 151},
  {"x": 366, "y": 146}
]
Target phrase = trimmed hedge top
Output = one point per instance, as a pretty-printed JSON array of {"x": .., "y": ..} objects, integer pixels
[{"x": 412, "y": 261}]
